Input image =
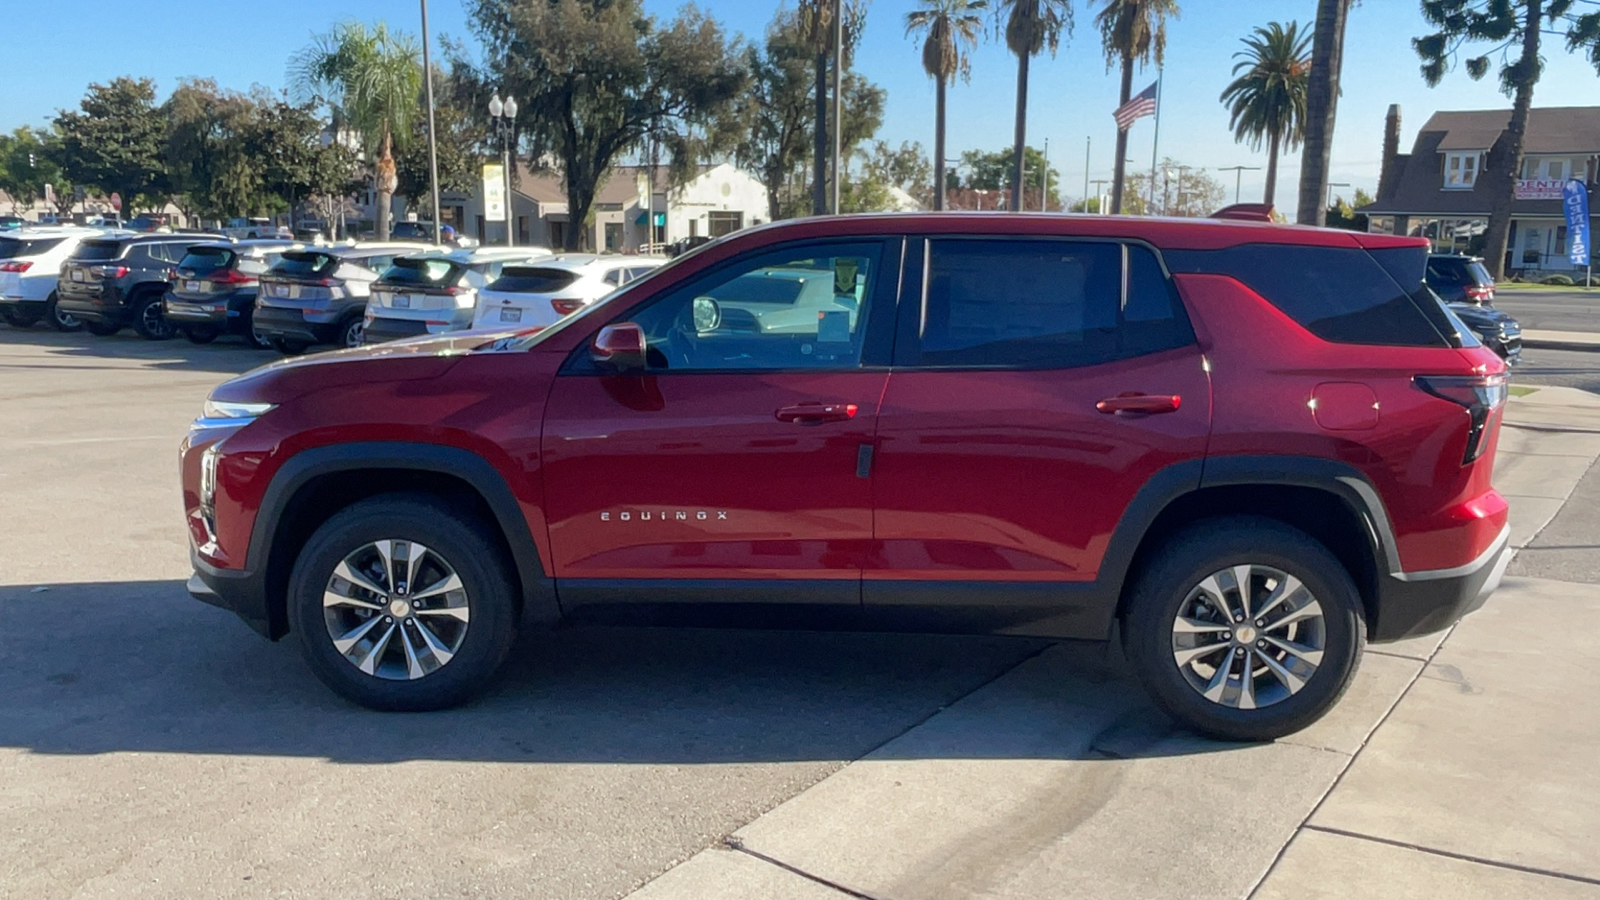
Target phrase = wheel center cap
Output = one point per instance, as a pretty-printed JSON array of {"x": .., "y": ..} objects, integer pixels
[
  {"x": 399, "y": 608},
  {"x": 1245, "y": 634}
]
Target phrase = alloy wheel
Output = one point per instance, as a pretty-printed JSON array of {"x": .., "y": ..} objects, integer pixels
[
  {"x": 1249, "y": 636},
  {"x": 396, "y": 610},
  {"x": 154, "y": 323},
  {"x": 354, "y": 333},
  {"x": 63, "y": 321}
]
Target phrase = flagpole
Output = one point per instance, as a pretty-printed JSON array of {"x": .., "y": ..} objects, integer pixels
[{"x": 1155, "y": 147}]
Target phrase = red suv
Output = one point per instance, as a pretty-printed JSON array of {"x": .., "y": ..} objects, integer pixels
[{"x": 1243, "y": 449}]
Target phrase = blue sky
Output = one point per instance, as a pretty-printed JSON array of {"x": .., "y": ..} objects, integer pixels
[{"x": 1072, "y": 94}]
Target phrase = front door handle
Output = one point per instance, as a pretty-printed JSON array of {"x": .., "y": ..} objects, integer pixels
[
  {"x": 1140, "y": 404},
  {"x": 816, "y": 413}
]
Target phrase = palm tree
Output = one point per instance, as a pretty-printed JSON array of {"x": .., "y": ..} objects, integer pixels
[
  {"x": 816, "y": 19},
  {"x": 1132, "y": 31},
  {"x": 1322, "y": 100},
  {"x": 372, "y": 81},
  {"x": 952, "y": 28},
  {"x": 1030, "y": 25},
  {"x": 1267, "y": 98}
]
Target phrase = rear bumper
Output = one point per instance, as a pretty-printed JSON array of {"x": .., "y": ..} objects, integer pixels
[
  {"x": 291, "y": 324},
  {"x": 1418, "y": 603},
  {"x": 24, "y": 306},
  {"x": 228, "y": 312},
  {"x": 95, "y": 307}
]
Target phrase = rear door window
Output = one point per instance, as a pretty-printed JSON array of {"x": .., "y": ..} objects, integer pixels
[
  {"x": 1032, "y": 304},
  {"x": 1339, "y": 294}
]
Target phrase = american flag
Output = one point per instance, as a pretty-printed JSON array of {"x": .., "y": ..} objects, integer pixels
[{"x": 1143, "y": 104}]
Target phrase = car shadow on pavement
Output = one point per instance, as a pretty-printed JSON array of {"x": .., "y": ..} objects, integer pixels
[
  {"x": 141, "y": 667},
  {"x": 229, "y": 355}
]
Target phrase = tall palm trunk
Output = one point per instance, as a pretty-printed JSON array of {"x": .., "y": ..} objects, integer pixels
[
  {"x": 819, "y": 146},
  {"x": 1018, "y": 176},
  {"x": 385, "y": 185},
  {"x": 1322, "y": 100},
  {"x": 1120, "y": 169},
  {"x": 938, "y": 145},
  {"x": 1273, "y": 140},
  {"x": 1498, "y": 236}
]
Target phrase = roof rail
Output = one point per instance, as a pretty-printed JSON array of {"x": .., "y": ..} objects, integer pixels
[{"x": 1246, "y": 212}]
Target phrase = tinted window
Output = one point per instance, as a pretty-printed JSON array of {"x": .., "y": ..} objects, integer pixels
[
  {"x": 532, "y": 280},
  {"x": 375, "y": 263},
  {"x": 433, "y": 271},
  {"x": 97, "y": 251},
  {"x": 205, "y": 259},
  {"x": 1044, "y": 304},
  {"x": 1340, "y": 294},
  {"x": 1406, "y": 265},
  {"x": 14, "y": 247},
  {"x": 297, "y": 264},
  {"x": 802, "y": 308},
  {"x": 1479, "y": 272}
]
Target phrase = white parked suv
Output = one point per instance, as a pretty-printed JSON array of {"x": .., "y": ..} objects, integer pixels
[
  {"x": 30, "y": 264},
  {"x": 434, "y": 292},
  {"x": 543, "y": 291}
]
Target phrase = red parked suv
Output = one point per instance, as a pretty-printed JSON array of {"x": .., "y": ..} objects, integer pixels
[{"x": 1244, "y": 450}]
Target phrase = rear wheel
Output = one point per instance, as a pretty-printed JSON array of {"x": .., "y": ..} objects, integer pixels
[
  {"x": 256, "y": 338},
  {"x": 402, "y": 603},
  {"x": 201, "y": 334},
  {"x": 1244, "y": 628},
  {"x": 17, "y": 318},
  {"x": 148, "y": 319},
  {"x": 352, "y": 332},
  {"x": 101, "y": 329},
  {"x": 59, "y": 320}
]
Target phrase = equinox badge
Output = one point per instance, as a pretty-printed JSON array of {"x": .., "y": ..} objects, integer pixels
[{"x": 679, "y": 515}]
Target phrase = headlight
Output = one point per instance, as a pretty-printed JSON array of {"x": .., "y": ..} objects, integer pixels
[{"x": 225, "y": 414}]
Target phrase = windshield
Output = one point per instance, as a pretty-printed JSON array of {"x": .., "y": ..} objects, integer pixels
[{"x": 202, "y": 259}]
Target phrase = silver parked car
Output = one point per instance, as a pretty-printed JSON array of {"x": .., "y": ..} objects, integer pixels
[{"x": 432, "y": 293}]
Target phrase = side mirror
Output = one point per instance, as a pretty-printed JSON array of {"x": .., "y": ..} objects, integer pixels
[{"x": 620, "y": 347}]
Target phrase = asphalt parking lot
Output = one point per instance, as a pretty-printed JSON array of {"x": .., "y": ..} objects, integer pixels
[{"x": 153, "y": 746}]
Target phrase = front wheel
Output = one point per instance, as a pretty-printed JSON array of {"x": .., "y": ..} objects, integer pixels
[
  {"x": 149, "y": 321},
  {"x": 60, "y": 321},
  {"x": 402, "y": 603},
  {"x": 1244, "y": 628}
]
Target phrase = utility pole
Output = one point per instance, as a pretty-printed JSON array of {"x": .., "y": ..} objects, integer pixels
[
  {"x": 1088, "y": 143},
  {"x": 1238, "y": 177},
  {"x": 1044, "y": 192},
  {"x": 433, "y": 138}
]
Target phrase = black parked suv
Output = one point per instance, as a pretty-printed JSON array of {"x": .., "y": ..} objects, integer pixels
[
  {"x": 115, "y": 282},
  {"x": 1460, "y": 279},
  {"x": 213, "y": 291}
]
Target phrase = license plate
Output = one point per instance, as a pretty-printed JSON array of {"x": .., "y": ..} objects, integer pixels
[
  {"x": 280, "y": 290},
  {"x": 511, "y": 315},
  {"x": 191, "y": 285},
  {"x": 77, "y": 274},
  {"x": 402, "y": 301}
]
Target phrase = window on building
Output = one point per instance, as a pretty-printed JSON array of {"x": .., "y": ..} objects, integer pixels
[{"x": 1460, "y": 170}]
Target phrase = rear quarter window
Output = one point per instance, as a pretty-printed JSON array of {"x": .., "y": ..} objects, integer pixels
[{"x": 1340, "y": 294}]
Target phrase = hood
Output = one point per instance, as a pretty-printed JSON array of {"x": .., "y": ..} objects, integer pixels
[{"x": 406, "y": 360}]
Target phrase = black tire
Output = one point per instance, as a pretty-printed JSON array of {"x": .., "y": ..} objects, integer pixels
[
  {"x": 352, "y": 331},
  {"x": 59, "y": 320},
  {"x": 1164, "y": 589},
  {"x": 465, "y": 545},
  {"x": 201, "y": 334},
  {"x": 148, "y": 319},
  {"x": 17, "y": 318},
  {"x": 101, "y": 329},
  {"x": 288, "y": 347}
]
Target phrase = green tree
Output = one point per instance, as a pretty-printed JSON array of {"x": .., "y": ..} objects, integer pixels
[
  {"x": 25, "y": 168},
  {"x": 1505, "y": 24},
  {"x": 951, "y": 29},
  {"x": 601, "y": 77},
  {"x": 461, "y": 137},
  {"x": 115, "y": 142},
  {"x": 1343, "y": 215},
  {"x": 1131, "y": 31},
  {"x": 906, "y": 168},
  {"x": 210, "y": 170},
  {"x": 777, "y": 111},
  {"x": 371, "y": 80},
  {"x": 1186, "y": 190},
  {"x": 1030, "y": 27},
  {"x": 1267, "y": 98},
  {"x": 994, "y": 171},
  {"x": 1322, "y": 104}
]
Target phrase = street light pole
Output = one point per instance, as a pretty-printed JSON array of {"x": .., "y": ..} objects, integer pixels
[
  {"x": 433, "y": 140},
  {"x": 1238, "y": 177},
  {"x": 504, "y": 116}
]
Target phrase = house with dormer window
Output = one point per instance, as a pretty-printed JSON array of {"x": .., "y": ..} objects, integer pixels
[{"x": 1444, "y": 189}]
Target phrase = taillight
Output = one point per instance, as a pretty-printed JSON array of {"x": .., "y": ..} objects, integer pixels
[
  {"x": 1480, "y": 292},
  {"x": 229, "y": 276},
  {"x": 566, "y": 307},
  {"x": 109, "y": 271},
  {"x": 16, "y": 267},
  {"x": 1479, "y": 395}
]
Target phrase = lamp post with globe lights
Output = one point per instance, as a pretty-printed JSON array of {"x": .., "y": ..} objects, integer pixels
[{"x": 504, "y": 115}]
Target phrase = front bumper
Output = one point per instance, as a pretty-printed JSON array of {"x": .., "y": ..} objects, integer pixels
[
  {"x": 239, "y": 592},
  {"x": 1411, "y": 605}
]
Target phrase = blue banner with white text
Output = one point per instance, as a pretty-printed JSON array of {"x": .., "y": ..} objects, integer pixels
[{"x": 1575, "y": 201}]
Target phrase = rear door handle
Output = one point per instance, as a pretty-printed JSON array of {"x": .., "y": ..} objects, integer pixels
[
  {"x": 1140, "y": 404},
  {"x": 816, "y": 413}
]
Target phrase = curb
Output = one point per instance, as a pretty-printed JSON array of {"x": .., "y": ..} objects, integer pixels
[{"x": 1580, "y": 346}]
